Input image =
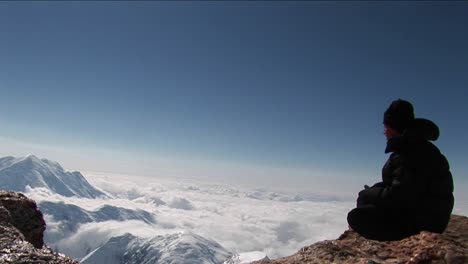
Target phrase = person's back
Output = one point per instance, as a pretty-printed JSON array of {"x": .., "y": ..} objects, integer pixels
[{"x": 416, "y": 189}]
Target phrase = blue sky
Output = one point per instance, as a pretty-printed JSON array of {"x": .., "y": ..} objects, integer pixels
[{"x": 290, "y": 86}]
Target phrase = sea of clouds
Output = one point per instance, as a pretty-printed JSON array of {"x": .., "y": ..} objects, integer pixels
[{"x": 241, "y": 219}]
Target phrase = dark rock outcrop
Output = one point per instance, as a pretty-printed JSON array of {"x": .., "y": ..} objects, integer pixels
[
  {"x": 451, "y": 247},
  {"x": 21, "y": 232},
  {"x": 24, "y": 216}
]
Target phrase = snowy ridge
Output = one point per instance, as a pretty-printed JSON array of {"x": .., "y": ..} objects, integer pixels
[
  {"x": 17, "y": 173},
  {"x": 181, "y": 248},
  {"x": 247, "y": 257},
  {"x": 71, "y": 217}
]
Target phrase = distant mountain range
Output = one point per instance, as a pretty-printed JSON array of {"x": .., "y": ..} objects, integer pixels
[
  {"x": 71, "y": 217},
  {"x": 180, "y": 248},
  {"x": 17, "y": 173}
]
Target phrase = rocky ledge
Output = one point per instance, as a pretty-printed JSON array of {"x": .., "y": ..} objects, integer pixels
[
  {"x": 21, "y": 233},
  {"x": 451, "y": 247}
]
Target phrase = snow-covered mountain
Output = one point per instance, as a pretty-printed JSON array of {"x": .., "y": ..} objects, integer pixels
[
  {"x": 247, "y": 257},
  {"x": 17, "y": 173},
  {"x": 71, "y": 217},
  {"x": 181, "y": 248}
]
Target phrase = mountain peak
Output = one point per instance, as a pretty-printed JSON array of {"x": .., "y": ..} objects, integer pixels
[
  {"x": 17, "y": 173},
  {"x": 181, "y": 247},
  {"x": 31, "y": 156},
  {"x": 40, "y": 161}
]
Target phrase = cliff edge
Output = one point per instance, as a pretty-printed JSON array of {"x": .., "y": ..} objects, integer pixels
[
  {"x": 451, "y": 247},
  {"x": 21, "y": 232}
]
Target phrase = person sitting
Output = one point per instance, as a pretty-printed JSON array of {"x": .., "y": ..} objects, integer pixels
[{"x": 416, "y": 191}]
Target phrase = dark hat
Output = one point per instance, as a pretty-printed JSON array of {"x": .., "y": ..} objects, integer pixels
[{"x": 399, "y": 115}]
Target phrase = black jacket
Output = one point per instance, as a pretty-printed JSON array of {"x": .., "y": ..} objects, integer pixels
[{"x": 416, "y": 179}]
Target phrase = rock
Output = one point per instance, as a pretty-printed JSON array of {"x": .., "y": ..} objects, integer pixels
[
  {"x": 24, "y": 216},
  {"x": 21, "y": 232},
  {"x": 451, "y": 247}
]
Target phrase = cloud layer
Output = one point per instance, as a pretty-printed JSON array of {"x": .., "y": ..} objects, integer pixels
[{"x": 240, "y": 219}]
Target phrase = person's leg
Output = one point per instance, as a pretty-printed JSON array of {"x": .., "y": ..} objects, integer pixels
[{"x": 374, "y": 223}]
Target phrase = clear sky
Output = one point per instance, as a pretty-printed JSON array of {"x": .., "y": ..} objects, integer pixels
[{"x": 275, "y": 91}]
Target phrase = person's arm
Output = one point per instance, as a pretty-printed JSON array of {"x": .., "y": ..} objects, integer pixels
[
  {"x": 379, "y": 184},
  {"x": 362, "y": 200},
  {"x": 405, "y": 189}
]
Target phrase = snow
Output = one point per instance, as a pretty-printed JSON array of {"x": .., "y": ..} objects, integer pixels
[
  {"x": 16, "y": 174},
  {"x": 71, "y": 217},
  {"x": 247, "y": 257},
  {"x": 181, "y": 247},
  {"x": 139, "y": 220}
]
